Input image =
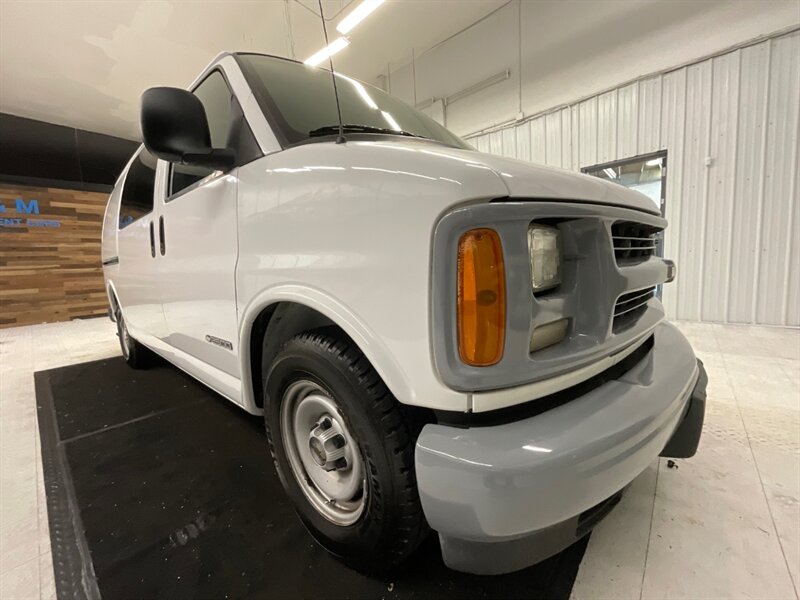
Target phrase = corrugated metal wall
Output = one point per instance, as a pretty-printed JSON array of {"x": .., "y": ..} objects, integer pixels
[{"x": 731, "y": 128}]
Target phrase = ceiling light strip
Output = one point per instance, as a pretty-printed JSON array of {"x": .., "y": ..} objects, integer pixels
[
  {"x": 477, "y": 87},
  {"x": 361, "y": 12}
]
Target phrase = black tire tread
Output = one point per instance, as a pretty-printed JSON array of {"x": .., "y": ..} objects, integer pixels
[{"x": 399, "y": 431}]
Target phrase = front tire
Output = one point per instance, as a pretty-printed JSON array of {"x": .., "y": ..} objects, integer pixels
[
  {"x": 344, "y": 452},
  {"x": 134, "y": 353}
]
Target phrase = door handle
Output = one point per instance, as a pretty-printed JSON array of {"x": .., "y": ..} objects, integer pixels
[
  {"x": 152, "y": 241},
  {"x": 161, "y": 241}
]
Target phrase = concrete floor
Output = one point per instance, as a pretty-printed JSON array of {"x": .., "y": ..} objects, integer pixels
[{"x": 725, "y": 524}]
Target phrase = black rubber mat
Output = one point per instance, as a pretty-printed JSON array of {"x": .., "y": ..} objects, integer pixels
[{"x": 159, "y": 488}]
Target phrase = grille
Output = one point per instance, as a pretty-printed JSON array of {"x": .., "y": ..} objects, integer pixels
[
  {"x": 630, "y": 307},
  {"x": 633, "y": 242}
]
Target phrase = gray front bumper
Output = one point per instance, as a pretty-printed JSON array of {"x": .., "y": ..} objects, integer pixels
[{"x": 506, "y": 496}]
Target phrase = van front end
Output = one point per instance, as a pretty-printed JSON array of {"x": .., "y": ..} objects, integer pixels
[{"x": 587, "y": 385}]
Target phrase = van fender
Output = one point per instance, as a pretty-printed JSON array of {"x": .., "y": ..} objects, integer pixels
[{"x": 367, "y": 341}]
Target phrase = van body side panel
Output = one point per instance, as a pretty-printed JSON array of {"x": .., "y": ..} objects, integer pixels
[
  {"x": 197, "y": 269},
  {"x": 347, "y": 229},
  {"x": 133, "y": 275}
]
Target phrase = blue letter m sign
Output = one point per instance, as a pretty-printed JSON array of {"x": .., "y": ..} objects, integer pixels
[{"x": 31, "y": 207}]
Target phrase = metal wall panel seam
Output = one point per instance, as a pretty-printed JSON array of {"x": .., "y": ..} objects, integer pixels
[
  {"x": 552, "y": 127},
  {"x": 706, "y": 199},
  {"x": 735, "y": 161},
  {"x": 660, "y": 115},
  {"x": 524, "y": 141},
  {"x": 689, "y": 152},
  {"x": 791, "y": 220},
  {"x": 596, "y": 152},
  {"x": 575, "y": 124},
  {"x": 636, "y": 120},
  {"x": 566, "y": 138},
  {"x": 679, "y": 203},
  {"x": 762, "y": 191},
  {"x": 783, "y": 166},
  {"x": 510, "y": 142},
  {"x": 537, "y": 141}
]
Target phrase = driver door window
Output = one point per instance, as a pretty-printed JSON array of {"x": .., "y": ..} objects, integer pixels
[{"x": 216, "y": 97}]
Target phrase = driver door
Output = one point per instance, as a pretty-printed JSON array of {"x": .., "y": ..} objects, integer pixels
[{"x": 198, "y": 244}]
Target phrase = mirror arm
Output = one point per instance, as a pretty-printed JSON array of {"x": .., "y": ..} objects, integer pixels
[{"x": 221, "y": 159}]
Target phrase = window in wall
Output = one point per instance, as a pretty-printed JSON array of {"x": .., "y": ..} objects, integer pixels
[
  {"x": 137, "y": 192},
  {"x": 646, "y": 174},
  {"x": 216, "y": 98}
]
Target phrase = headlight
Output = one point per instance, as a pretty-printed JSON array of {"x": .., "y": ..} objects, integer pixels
[{"x": 544, "y": 244}]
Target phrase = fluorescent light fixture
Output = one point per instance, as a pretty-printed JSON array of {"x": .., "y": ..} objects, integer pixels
[
  {"x": 390, "y": 120},
  {"x": 328, "y": 51},
  {"x": 359, "y": 14},
  {"x": 656, "y": 162},
  {"x": 612, "y": 174}
]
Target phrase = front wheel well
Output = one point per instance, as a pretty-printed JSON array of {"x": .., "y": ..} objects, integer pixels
[
  {"x": 279, "y": 323},
  {"x": 272, "y": 328}
]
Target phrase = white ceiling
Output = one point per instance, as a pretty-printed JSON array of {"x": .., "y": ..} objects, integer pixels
[{"x": 85, "y": 63}]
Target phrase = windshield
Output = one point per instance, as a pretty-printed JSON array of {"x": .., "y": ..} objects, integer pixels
[{"x": 300, "y": 101}]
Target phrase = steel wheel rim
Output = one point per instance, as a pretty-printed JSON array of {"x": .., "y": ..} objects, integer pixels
[{"x": 323, "y": 454}]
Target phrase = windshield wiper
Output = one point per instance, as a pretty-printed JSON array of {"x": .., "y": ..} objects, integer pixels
[{"x": 352, "y": 128}]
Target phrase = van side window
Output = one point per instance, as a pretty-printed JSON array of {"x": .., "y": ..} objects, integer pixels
[
  {"x": 137, "y": 192},
  {"x": 216, "y": 98}
]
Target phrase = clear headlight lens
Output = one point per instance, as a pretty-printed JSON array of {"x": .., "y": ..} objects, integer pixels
[{"x": 544, "y": 244}]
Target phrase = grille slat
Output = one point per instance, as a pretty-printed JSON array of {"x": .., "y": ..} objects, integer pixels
[
  {"x": 627, "y": 310},
  {"x": 637, "y": 300},
  {"x": 635, "y": 248},
  {"x": 633, "y": 242},
  {"x": 630, "y": 307}
]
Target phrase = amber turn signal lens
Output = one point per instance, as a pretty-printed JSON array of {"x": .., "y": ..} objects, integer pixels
[{"x": 481, "y": 298}]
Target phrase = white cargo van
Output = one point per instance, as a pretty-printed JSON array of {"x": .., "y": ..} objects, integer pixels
[{"x": 437, "y": 338}]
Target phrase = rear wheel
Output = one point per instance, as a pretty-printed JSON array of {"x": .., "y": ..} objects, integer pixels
[
  {"x": 344, "y": 451},
  {"x": 134, "y": 353}
]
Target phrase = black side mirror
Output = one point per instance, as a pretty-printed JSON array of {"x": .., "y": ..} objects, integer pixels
[{"x": 175, "y": 129}]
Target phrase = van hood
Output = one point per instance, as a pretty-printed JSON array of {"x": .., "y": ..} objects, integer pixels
[
  {"x": 528, "y": 180},
  {"x": 426, "y": 169},
  {"x": 524, "y": 180}
]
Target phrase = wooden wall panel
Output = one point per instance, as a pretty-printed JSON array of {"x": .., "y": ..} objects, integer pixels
[{"x": 50, "y": 267}]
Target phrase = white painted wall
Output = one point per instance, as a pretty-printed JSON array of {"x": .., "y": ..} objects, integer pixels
[
  {"x": 566, "y": 50},
  {"x": 735, "y": 223}
]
